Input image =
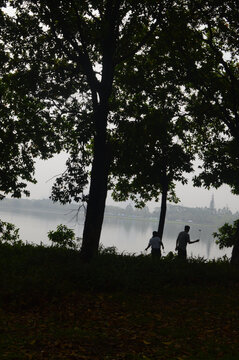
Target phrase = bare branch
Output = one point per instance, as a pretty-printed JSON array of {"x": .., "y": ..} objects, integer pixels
[{"x": 53, "y": 177}]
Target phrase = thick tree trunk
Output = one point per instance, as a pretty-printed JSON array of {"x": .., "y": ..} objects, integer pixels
[
  {"x": 163, "y": 211},
  {"x": 98, "y": 190},
  {"x": 235, "y": 252},
  {"x": 102, "y": 156}
]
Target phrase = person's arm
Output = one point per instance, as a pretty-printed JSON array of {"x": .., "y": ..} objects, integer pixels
[
  {"x": 176, "y": 248},
  {"x": 148, "y": 246},
  {"x": 192, "y": 242}
]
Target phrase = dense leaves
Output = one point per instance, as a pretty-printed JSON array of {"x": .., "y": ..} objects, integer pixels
[
  {"x": 71, "y": 184},
  {"x": 227, "y": 235},
  {"x": 9, "y": 234},
  {"x": 70, "y": 80},
  {"x": 152, "y": 145},
  {"x": 63, "y": 237},
  {"x": 69, "y": 52},
  {"x": 28, "y": 129},
  {"x": 212, "y": 84}
]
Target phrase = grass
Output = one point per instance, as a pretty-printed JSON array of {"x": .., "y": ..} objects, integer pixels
[{"x": 53, "y": 306}]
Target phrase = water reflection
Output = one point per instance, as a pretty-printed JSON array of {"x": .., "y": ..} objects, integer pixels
[
  {"x": 130, "y": 236},
  {"x": 133, "y": 236}
]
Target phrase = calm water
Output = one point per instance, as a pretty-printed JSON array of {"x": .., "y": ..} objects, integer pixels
[{"x": 130, "y": 236}]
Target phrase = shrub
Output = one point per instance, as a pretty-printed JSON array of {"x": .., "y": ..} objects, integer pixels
[
  {"x": 110, "y": 250},
  {"x": 9, "y": 234},
  {"x": 226, "y": 235},
  {"x": 64, "y": 237}
]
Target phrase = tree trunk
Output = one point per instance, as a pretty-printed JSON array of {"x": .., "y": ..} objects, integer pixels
[
  {"x": 163, "y": 211},
  {"x": 235, "y": 252},
  {"x": 102, "y": 154},
  {"x": 98, "y": 189}
]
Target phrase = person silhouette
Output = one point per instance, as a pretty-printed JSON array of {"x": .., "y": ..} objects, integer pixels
[
  {"x": 181, "y": 243},
  {"x": 155, "y": 243}
]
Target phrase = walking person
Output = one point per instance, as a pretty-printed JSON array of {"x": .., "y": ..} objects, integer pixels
[
  {"x": 155, "y": 243},
  {"x": 181, "y": 243}
]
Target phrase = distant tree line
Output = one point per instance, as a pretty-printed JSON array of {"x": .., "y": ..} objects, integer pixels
[
  {"x": 21, "y": 204},
  {"x": 176, "y": 213}
]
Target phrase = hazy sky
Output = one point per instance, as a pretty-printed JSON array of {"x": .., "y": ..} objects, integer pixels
[{"x": 189, "y": 195}]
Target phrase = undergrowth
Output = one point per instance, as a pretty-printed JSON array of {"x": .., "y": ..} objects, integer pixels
[{"x": 38, "y": 272}]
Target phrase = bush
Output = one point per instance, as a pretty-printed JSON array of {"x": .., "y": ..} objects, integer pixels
[
  {"x": 64, "y": 237},
  {"x": 226, "y": 235},
  {"x": 9, "y": 234},
  {"x": 110, "y": 250}
]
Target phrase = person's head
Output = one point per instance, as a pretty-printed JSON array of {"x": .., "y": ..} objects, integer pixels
[
  {"x": 155, "y": 233},
  {"x": 186, "y": 228}
]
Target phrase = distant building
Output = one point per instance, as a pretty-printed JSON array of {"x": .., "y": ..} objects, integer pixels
[{"x": 212, "y": 204}]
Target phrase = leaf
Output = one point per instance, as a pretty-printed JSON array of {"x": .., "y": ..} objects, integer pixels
[{"x": 167, "y": 343}]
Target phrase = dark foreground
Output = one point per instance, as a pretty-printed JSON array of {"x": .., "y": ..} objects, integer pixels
[{"x": 118, "y": 307}]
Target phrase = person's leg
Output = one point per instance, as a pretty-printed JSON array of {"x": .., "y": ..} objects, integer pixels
[
  {"x": 182, "y": 254},
  {"x": 156, "y": 253}
]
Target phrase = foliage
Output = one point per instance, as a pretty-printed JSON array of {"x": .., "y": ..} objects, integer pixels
[
  {"x": 148, "y": 159},
  {"x": 211, "y": 82},
  {"x": 152, "y": 145},
  {"x": 63, "y": 237},
  {"x": 9, "y": 234},
  {"x": 71, "y": 61},
  {"x": 60, "y": 270},
  {"x": 110, "y": 250},
  {"x": 71, "y": 184},
  {"x": 226, "y": 235},
  {"x": 70, "y": 53},
  {"x": 220, "y": 164},
  {"x": 170, "y": 256},
  {"x": 58, "y": 301},
  {"x": 27, "y": 129}
]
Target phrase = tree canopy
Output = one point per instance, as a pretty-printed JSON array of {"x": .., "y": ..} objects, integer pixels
[
  {"x": 94, "y": 78},
  {"x": 211, "y": 81},
  {"x": 152, "y": 144},
  {"x": 70, "y": 52},
  {"x": 26, "y": 129}
]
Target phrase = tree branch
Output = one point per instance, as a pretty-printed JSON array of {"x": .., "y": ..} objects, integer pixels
[
  {"x": 233, "y": 80},
  {"x": 80, "y": 57},
  {"x": 131, "y": 53}
]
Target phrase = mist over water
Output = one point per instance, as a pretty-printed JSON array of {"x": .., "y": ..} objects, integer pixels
[{"x": 128, "y": 236}]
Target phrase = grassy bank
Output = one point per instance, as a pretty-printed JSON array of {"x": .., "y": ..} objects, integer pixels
[{"x": 53, "y": 306}]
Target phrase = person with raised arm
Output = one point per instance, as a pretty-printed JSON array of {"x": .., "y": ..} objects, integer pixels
[{"x": 181, "y": 243}]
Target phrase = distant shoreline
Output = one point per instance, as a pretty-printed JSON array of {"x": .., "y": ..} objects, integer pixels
[
  {"x": 52, "y": 212},
  {"x": 176, "y": 214}
]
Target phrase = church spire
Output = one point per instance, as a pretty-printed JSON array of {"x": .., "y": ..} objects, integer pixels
[{"x": 212, "y": 203}]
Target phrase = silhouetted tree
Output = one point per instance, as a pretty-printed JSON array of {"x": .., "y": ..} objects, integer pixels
[
  {"x": 149, "y": 162},
  {"x": 212, "y": 84},
  {"x": 26, "y": 130},
  {"x": 70, "y": 51},
  {"x": 152, "y": 145}
]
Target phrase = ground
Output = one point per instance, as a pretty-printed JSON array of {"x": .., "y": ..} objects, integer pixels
[{"x": 176, "y": 323}]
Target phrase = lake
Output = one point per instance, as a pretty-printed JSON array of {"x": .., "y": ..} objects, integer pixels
[{"x": 129, "y": 236}]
